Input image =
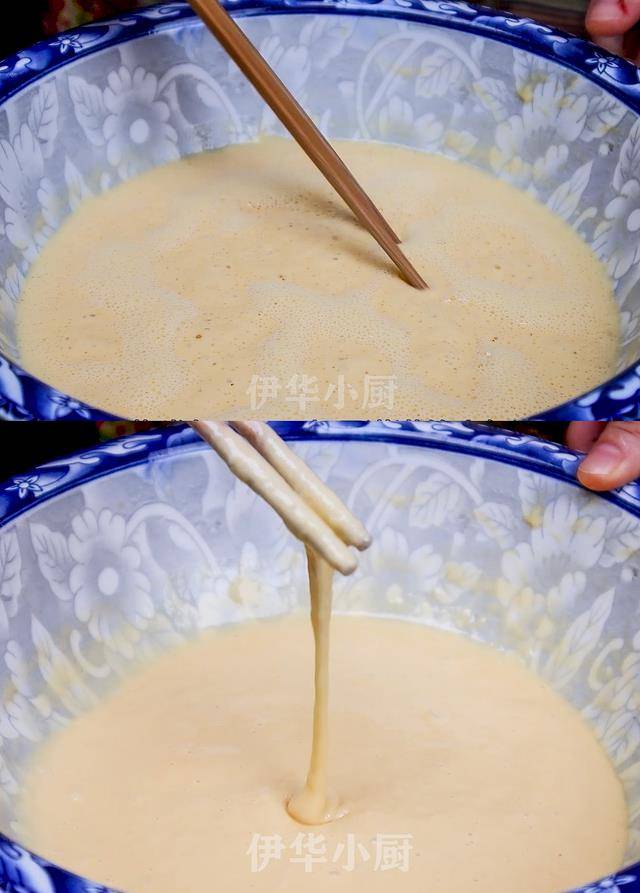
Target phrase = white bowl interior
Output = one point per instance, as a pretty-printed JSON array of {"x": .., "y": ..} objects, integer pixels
[{"x": 107, "y": 116}]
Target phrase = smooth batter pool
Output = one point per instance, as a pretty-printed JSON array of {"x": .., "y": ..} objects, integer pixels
[
  {"x": 496, "y": 782},
  {"x": 235, "y": 284}
]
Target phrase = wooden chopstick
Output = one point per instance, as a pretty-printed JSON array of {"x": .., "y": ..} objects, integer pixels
[
  {"x": 265, "y": 480},
  {"x": 305, "y": 482},
  {"x": 304, "y": 131}
]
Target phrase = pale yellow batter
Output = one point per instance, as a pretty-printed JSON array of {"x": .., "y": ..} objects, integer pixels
[
  {"x": 235, "y": 284},
  {"x": 161, "y": 788},
  {"x": 314, "y": 804}
]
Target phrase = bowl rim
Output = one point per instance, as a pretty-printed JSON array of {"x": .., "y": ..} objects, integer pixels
[
  {"x": 21, "y": 493},
  {"x": 617, "y": 397}
]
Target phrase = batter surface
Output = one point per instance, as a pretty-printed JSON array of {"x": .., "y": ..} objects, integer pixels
[
  {"x": 235, "y": 284},
  {"x": 498, "y": 782}
]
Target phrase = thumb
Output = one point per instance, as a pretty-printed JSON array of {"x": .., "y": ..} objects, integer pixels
[
  {"x": 611, "y": 18},
  {"x": 614, "y": 459}
]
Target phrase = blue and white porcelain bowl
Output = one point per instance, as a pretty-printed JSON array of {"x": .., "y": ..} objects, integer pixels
[
  {"x": 479, "y": 531},
  {"x": 548, "y": 112}
]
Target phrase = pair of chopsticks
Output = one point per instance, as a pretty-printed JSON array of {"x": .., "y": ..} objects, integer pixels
[
  {"x": 304, "y": 131},
  {"x": 311, "y": 511}
]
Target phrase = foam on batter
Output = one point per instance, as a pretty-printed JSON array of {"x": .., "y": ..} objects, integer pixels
[{"x": 165, "y": 296}]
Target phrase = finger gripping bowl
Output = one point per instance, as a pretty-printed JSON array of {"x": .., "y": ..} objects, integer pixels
[{"x": 548, "y": 112}]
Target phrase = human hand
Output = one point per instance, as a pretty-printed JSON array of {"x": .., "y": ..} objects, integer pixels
[
  {"x": 609, "y": 22},
  {"x": 613, "y": 452}
]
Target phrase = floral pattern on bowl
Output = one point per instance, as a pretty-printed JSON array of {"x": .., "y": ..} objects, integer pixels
[
  {"x": 114, "y": 554},
  {"x": 546, "y": 111}
]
